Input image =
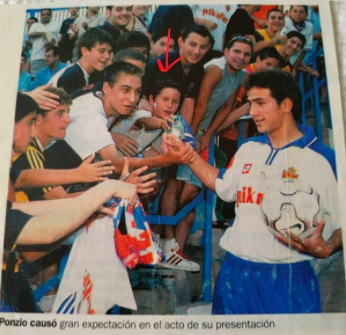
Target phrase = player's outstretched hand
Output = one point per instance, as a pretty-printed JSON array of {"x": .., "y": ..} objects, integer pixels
[
  {"x": 315, "y": 245},
  {"x": 45, "y": 100},
  {"x": 175, "y": 151},
  {"x": 89, "y": 172},
  {"x": 125, "y": 144}
]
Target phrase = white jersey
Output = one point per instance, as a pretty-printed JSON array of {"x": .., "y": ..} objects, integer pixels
[
  {"x": 88, "y": 131},
  {"x": 220, "y": 14},
  {"x": 255, "y": 167}
]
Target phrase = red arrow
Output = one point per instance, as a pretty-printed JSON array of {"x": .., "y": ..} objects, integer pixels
[{"x": 159, "y": 63}]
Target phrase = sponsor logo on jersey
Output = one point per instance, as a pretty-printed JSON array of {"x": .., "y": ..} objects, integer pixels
[
  {"x": 248, "y": 196},
  {"x": 290, "y": 173},
  {"x": 246, "y": 168},
  {"x": 211, "y": 12}
]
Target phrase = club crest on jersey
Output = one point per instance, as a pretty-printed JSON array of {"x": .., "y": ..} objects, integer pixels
[
  {"x": 290, "y": 173},
  {"x": 246, "y": 168}
]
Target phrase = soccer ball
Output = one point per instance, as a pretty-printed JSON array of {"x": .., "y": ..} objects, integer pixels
[{"x": 293, "y": 207}]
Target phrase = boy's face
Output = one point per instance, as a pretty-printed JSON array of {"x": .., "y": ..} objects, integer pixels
[
  {"x": 275, "y": 21},
  {"x": 298, "y": 14},
  {"x": 167, "y": 103},
  {"x": 193, "y": 48},
  {"x": 120, "y": 17},
  {"x": 98, "y": 57},
  {"x": 53, "y": 124},
  {"x": 238, "y": 56},
  {"x": 122, "y": 98},
  {"x": 267, "y": 114},
  {"x": 267, "y": 63},
  {"x": 293, "y": 46},
  {"x": 159, "y": 47},
  {"x": 24, "y": 131}
]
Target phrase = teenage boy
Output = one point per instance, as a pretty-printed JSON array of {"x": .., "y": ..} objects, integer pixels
[
  {"x": 95, "y": 48},
  {"x": 159, "y": 44},
  {"x": 275, "y": 21},
  {"x": 54, "y": 65},
  {"x": 246, "y": 284},
  {"x": 188, "y": 72},
  {"x": 83, "y": 23}
]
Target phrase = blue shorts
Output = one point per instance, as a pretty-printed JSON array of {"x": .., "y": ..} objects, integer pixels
[
  {"x": 245, "y": 287},
  {"x": 185, "y": 173}
]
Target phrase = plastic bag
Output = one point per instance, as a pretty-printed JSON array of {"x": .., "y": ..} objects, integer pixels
[{"x": 134, "y": 241}]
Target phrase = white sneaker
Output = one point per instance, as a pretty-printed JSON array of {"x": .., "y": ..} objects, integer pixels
[{"x": 175, "y": 259}]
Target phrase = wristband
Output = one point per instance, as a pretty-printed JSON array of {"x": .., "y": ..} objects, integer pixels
[
  {"x": 125, "y": 177},
  {"x": 277, "y": 39}
]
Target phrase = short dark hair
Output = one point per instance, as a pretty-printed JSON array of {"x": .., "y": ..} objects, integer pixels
[
  {"x": 24, "y": 106},
  {"x": 56, "y": 50},
  {"x": 281, "y": 84},
  {"x": 92, "y": 37},
  {"x": 50, "y": 11},
  {"x": 197, "y": 29},
  {"x": 294, "y": 33},
  {"x": 32, "y": 18},
  {"x": 274, "y": 10},
  {"x": 133, "y": 39},
  {"x": 269, "y": 52},
  {"x": 238, "y": 38},
  {"x": 306, "y": 8},
  {"x": 64, "y": 98},
  {"x": 114, "y": 70},
  {"x": 124, "y": 54},
  {"x": 157, "y": 34},
  {"x": 166, "y": 83}
]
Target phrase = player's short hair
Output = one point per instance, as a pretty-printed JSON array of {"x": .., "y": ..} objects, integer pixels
[
  {"x": 197, "y": 29},
  {"x": 294, "y": 33},
  {"x": 134, "y": 39},
  {"x": 24, "y": 106},
  {"x": 269, "y": 52},
  {"x": 157, "y": 34},
  {"x": 56, "y": 50},
  {"x": 111, "y": 7},
  {"x": 125, "y": 54},
  {"x": 64, "y": 98},
  {"x": 92, "y": 37},
  {"x": 281, "y": 84},
  {"x": 238, "y": 38},
  {"x": 273, "y": 11},
  {"x": 50, "y": 11},
  {"x": 306, "y": 8},
  {"x": 166, "y": 83},
  {"x": 113, "y": 72}
]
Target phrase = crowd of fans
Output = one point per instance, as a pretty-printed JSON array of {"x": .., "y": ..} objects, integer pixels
[{"x": 102, "y": 96}]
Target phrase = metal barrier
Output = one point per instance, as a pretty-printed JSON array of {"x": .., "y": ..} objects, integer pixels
[{"x": 313, "y": 93}]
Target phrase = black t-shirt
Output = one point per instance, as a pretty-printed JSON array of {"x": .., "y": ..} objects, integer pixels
[
  {"x": 174, "y": 17},
  {"x": 58, "y": 156},
  {"x": 190, "y": 83},
  {"x": 239, "y": 23}
]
